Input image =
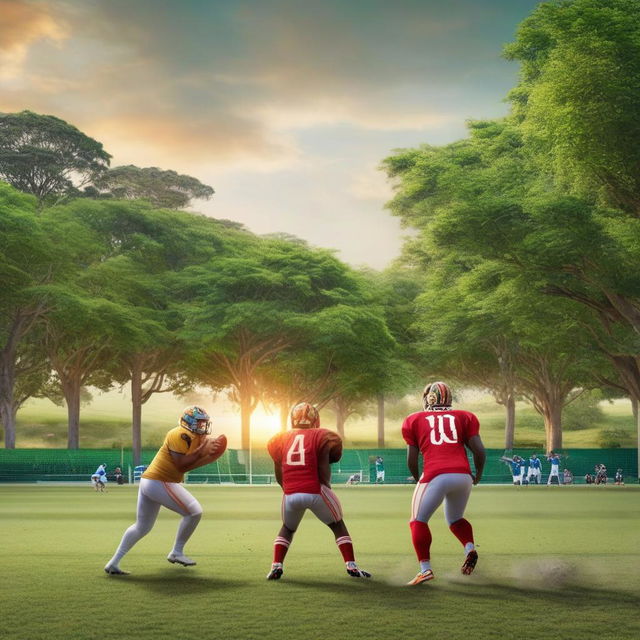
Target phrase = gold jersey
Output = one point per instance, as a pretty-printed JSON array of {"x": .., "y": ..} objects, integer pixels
[{"x": 162, "y": 467}]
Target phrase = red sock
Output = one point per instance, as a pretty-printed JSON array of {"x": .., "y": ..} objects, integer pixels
[
  {"x": 280, "y": 548},
  {"x": 421, "y": 536},
  {"x": 462, "y": 530},
  {"x": 346, "y": 548}
]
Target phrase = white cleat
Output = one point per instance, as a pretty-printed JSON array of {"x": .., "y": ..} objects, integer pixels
[
  {"x": 115, "y": 571},
  {"x": 180, "y": 558}
]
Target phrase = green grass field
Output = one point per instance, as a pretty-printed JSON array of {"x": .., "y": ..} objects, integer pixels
[{"x": 555, "y": 562}]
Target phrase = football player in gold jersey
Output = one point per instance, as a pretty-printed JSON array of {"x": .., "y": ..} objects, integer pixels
[{"x": 185, "y": 447}]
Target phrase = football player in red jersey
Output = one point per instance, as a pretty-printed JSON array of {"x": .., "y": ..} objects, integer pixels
[
  {"x": 441, "y": 435},
  {"x": 301, "y": 461}
]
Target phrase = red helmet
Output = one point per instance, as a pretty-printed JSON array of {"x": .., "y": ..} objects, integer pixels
[
  {"x": 436, "y": 395},
  {"x": 304, "y": 416}
]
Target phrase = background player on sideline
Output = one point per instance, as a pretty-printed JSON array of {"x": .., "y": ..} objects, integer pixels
[
  {"x": 185, "y": 447},
  {"x": 302, "y": 460},
  {"x": 441, "y": 435},
  {"x": 535, "y": 469}
]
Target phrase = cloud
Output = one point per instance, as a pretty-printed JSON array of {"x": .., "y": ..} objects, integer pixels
[{"x": 23, "y": 24}]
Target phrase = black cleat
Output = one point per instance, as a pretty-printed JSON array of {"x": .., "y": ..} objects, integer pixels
[{"x": 470, "y": 563}]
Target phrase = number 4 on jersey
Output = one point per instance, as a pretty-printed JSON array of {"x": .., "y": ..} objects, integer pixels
[{"x": 295, "y": 454}]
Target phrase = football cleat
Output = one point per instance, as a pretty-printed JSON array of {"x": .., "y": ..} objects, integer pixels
[
  {"x": 115, "y": 571},
  {"x": 470, "y": 563},
  {"x": 423, "y": 576},
  {"x": 180, "y": 558},
  {"x": 354, "y": 572},
  {"x": 276, "y": 571}
]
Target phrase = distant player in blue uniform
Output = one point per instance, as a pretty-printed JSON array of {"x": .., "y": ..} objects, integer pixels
[
  {"x": 99, "y": 478},
  {"x": 517, "y": 471},
  {"x": 535, "y": 470},
  {"x": 554, "y": 459}
]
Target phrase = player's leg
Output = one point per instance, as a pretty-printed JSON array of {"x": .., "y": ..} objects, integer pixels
[
  {"x": 147, "y": 512},
  {"x": 327, "y": 508},
  {"x": 459, "y": 489},
  {"x": 293, "y": 508},
  {"x": 175, "y": 497},
  {"x": 427, "y": 497}
]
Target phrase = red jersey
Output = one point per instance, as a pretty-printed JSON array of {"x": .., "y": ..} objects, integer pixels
[
  {"x": 297, "y": 453},
  {"x": 441, "y": 436}
]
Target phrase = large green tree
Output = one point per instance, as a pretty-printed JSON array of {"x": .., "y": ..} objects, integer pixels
[
  {"x": 47, "y": 157},
  {"x": 162, "y": 188}
]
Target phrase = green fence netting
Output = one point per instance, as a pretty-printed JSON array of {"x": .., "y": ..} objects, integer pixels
[{"x": 243, "y": 467}]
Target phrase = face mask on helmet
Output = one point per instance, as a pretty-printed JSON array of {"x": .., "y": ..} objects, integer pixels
[
  {"x": 196, "y": 420},
  {"x": 436, "y": 395},
  {"x": 304, "y": 416}
]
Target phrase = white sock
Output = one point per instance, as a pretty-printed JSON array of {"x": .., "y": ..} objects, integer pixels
[
  {"x": 425, "y": 565},
  {"x": 469, "y": 547}
]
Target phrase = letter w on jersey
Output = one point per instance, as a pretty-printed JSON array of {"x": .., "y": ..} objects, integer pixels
[{"x": 440, "y": 432}]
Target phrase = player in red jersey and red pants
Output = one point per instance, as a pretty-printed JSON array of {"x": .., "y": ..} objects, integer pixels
[
  {"x": 301, "y": 460},
  {"x": 441, "y": 435}
]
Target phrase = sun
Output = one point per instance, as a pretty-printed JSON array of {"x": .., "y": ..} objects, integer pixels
[{"x": 264, "y": 425}]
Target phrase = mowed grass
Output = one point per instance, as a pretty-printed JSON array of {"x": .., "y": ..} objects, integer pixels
[{"x": 555, "y": 562}]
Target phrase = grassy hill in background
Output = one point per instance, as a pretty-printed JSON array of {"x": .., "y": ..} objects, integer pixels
[{"x": 105, "y": 422}]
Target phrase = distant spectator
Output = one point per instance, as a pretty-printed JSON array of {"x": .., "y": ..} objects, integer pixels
[
  {"x": 619, "y": 477},
  {"x": 354, "y": 478},
  {"x": 117, "y": 476},
  {"x": 588, "y": 478},
  {"x": 601, "y": 474},
  {"x": 567, "y": 476}
]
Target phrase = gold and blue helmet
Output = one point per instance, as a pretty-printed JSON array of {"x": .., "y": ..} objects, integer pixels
[{"x": 192, "y": 418}]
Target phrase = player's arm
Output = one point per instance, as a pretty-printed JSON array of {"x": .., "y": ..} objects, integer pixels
[
  {"x": 412, "y": 461},
  {"x": 277, "y": 471},
  {"x": 207, "y": 451},
  {"x": 479, "y": 456},
  {"x": 324, "y": 465}
]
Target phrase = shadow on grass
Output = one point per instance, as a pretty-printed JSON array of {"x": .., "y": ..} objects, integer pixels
[
  {"x": 570, "y": 595},
  {"x": 172, "y": 583}
]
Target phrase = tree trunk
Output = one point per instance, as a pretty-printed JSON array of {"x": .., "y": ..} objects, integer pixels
[
  {"x": 284, "y": 415},
  {"x": 136, "y": 414},
  {"x": 510, "y": 422},
  {"x": 552, "y": 415},
  {"x": 381, "y": 421},
  {"x": 72, "y": 396},
  {"x": 245, "y": 421},
  {"x": 341, "y": 417},
  {"x": 7, "y": 404},
  {"x": 634, "y": 408}
]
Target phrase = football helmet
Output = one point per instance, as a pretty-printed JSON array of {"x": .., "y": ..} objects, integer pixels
[
  {"x": 436, "y": 395},
  {"x": 305, "y": 416},
  {"x": 190, "y": 418}
]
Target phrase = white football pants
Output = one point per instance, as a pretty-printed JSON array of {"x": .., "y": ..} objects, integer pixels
[
  {"x": 153, "y": 494},
  {"x": 453, "y": 488}
]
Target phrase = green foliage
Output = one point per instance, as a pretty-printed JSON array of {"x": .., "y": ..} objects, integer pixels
[
  {"x": 47, "y": 157},
  {"x": 163, "y": 189},
  {"x": 584, "y": 412},
  {"x": 613, "y": 438},
  {"x": 578, "y": 95}
]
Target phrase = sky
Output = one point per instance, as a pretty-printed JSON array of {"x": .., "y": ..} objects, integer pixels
[{"x": 285, "y": 107}]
